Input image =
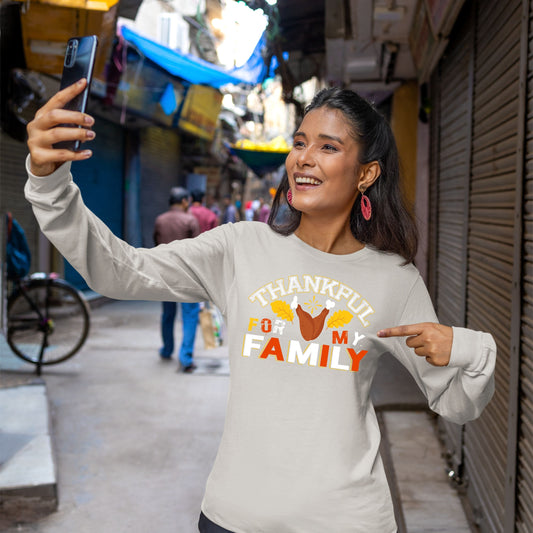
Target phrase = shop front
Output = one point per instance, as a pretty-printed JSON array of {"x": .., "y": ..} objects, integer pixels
[{"x": 480, "y": 245}]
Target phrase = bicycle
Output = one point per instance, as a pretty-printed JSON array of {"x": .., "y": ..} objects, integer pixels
[{"x": 48, "y": 319}]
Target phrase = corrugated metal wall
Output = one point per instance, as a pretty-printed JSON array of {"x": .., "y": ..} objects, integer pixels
[
  {"x": 491, "y": 238},
  {"x": 477, "y": 172},
  {"x": 453, "y": 82},
  {"x": 13, "y": 177},
  {"x": 524, "y": 508},
  {"x": 160, "y": 170},
  {"x": 101, "y": 182}
]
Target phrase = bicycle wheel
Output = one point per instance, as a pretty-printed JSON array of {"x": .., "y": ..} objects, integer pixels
[{"x": 48, "y": 315}]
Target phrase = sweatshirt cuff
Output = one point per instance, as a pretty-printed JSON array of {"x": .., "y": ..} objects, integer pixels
[
  {"x": 471, "y": 350},
  {"x": 47, "y": 184}
]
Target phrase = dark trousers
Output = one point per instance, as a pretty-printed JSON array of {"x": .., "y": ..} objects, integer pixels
[{"x": 206, "y": 526}]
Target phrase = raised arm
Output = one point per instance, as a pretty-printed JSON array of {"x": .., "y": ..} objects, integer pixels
[{"x": 188, "y": 270}]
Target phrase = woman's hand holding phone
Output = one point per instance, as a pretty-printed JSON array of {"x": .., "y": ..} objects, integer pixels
[{"x": 45, "y": 130}]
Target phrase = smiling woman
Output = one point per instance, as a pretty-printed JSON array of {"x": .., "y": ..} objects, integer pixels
[
  {"x": 309, "y": 311},
  {"x": 344, "y": 148}
]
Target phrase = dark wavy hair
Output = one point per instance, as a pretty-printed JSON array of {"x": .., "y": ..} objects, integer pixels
[{"x": 392, "y": 227}]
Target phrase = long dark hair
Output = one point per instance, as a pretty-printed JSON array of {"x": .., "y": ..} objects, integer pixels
[{"x": 391, "y": 228}]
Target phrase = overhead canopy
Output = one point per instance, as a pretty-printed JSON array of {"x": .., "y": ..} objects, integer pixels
[
  {"x": 196, "y": 70},
  {"x": 260, "y": 161}
]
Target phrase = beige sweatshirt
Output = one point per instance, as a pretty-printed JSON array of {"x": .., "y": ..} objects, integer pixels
[{"x": 300, "y": 448}]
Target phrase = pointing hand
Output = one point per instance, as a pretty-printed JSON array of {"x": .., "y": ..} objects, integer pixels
[{"x": 430, "y": 340}]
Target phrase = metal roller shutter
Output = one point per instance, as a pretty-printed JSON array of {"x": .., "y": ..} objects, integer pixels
[
  {"x": 101, "y": 182},
  {"x": 524, "y": 509},
  {"x": 453, "y": 167},
  {"x": 491, "y": 243},
  {"x": 13, "y": 177},
  {"x": 160, "y": 170},
  {"x": 433, "y": 187}
]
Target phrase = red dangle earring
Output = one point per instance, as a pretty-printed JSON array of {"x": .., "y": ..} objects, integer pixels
[
  {"x": 289, "y": 196},
  {"x": 366, "y": 207}
]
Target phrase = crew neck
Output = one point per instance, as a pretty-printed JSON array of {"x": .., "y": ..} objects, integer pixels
[{"x": 354, "y": 256}]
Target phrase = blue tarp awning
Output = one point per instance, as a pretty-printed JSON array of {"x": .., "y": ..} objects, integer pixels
[{"x": 196, "y": 70}]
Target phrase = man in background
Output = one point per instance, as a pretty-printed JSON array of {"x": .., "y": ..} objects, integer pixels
[
  {"x": 206, "y": 218},
  {"x": 177, "y": 224}
]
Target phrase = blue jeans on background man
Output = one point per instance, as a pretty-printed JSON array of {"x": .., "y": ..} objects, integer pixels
[{"x": 189, "y": 317}]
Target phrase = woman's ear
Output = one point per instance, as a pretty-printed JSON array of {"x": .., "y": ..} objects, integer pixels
[{"x": 368, "y": 175}]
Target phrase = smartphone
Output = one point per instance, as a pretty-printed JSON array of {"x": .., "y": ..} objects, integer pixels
[{"x": 79, "y": 63}]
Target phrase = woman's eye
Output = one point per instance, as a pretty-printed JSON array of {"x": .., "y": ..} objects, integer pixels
[
  {"x": 297, "y": 144},
  {"x": 330, "y": 148}
]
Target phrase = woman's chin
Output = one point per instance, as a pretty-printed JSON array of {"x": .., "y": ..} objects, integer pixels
[{"x": 312, "y": 209}]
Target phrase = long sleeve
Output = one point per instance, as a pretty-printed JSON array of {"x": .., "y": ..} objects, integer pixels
[
  {"x": 460, "y": 391},
  {"x": 187, "y": 270}
]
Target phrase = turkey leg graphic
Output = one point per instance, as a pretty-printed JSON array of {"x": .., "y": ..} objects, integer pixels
[{"x": 311, "y": 327}]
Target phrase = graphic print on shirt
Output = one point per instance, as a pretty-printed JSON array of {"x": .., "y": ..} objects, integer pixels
[{"x": 305, "y": 308}]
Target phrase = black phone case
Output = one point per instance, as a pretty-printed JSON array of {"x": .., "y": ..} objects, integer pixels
[{"x": 79, "y": 63}]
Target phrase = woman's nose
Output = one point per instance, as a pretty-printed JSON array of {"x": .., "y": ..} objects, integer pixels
[{"x": 305, "y": 157}]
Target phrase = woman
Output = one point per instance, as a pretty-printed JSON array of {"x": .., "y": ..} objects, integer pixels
[{"x": 310, "y": 304}]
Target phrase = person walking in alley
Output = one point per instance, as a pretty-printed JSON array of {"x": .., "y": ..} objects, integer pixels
[
  {"x": 311, "y": 304},
  {"x": 230, "y": 214},
  {"x": 177, "y": 224},
  {"x": 212, "y": 205},
  {"x": 262, "y": 213},
  {"x": 206, "y": 218}
]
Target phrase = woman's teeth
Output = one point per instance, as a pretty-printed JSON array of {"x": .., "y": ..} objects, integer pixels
[{"x": 302, "y": 180}]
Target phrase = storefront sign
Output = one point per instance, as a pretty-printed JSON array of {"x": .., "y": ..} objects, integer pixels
[
  {"x": 47, "y": 25},
  {"x": 213, "y": 175},
  {"x": 200, "y": 111}
]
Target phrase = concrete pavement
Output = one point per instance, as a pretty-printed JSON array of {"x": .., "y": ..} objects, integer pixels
[{"x": 133, "y": 440}]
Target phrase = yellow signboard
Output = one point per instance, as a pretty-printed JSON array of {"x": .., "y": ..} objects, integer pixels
[
  {"x": 47, "y": 26},
  {"x": 200, "y": 111},
  {"x": 94, "y": 5}
]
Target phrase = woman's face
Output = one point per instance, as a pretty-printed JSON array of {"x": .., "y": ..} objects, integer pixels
[{"x": 322, "y": 166}]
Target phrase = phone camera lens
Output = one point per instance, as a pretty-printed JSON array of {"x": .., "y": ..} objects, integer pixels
[{"x": 70, "y": 54}]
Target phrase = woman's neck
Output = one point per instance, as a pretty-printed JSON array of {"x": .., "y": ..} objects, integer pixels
[{"x": 330, "y": 236}]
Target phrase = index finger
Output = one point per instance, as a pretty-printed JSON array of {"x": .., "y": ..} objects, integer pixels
[{"x": 401, "y": 331}]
